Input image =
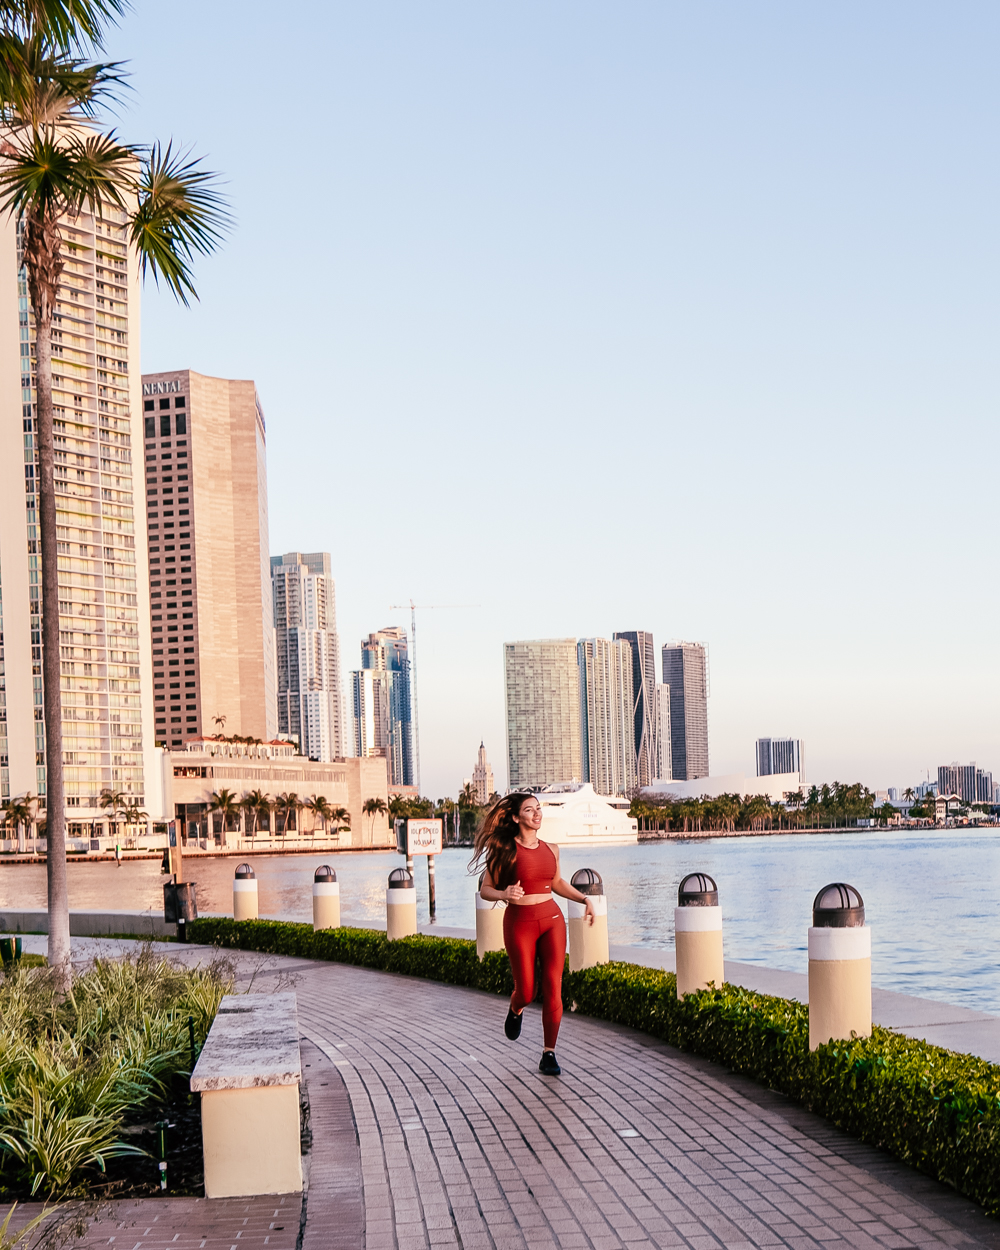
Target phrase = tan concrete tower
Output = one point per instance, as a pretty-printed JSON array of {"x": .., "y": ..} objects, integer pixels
[{"x": 210, "y": 576}]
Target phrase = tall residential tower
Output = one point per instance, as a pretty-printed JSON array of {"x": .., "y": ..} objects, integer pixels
[
  {"x": 381, "y": 705},
  {"x": 542, "y": 689},
  {"x": 607, "y": 710},
  {"x": 103, "y": 577},
  {"x": 644, "y": 694},
  {"x": 308, "y": 650},
  {"x": 210, "y": 576},
  {"x": 685, "y": 671}
]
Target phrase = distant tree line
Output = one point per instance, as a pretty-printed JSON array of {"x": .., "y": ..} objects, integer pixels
[{"x": 823, "y": 807}]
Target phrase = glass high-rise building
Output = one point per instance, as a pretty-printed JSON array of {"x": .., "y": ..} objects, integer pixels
[
  {"x": 542, "y": 697},
  {"x": 308, "y": 652},
  {"x": 644, "y": 696},
  {"x": 685, "y": 671},
  {"x": 381, "y": 703},
  {"x": 106, "y": 678}
]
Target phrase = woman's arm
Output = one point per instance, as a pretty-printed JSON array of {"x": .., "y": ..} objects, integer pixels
[
  {"x": 565, "y": 890},
  {"x": 490, "y": 894}
]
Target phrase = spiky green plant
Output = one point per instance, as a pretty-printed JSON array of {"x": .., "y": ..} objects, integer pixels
[{"x": 73, "y": 1065}]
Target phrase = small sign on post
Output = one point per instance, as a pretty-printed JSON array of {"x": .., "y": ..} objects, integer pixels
[{"x": 425, "y": 837}]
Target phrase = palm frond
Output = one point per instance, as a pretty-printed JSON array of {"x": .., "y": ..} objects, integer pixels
[
  {"x": 48, "y": 174},
  {"x": 39, "y": 87},
  {"x": 66, "y": 24},
  {"x": 179, "y": 214}
]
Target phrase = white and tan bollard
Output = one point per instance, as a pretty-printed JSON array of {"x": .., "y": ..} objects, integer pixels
[
  {"x": 588, "y": 943},
  {"x": 326, "y": 899},
  {"x": 840, "y": 967},
  {"x": 698, "y": 935},
  {"x": 245, "y": 893},
  {"x": 400, "y": 905},
  {"x": 489, "y": 923}
]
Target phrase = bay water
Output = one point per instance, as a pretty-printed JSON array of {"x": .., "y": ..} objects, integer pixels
[{"x": 931, "y": 897}]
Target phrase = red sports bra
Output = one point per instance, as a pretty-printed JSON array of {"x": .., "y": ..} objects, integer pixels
[{"x": 535, "y": 869}]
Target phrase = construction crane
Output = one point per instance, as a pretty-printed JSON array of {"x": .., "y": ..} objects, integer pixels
[{"x": 424, "y": 607}]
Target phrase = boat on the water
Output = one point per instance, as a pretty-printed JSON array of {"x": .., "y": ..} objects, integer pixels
[{"x": 572, "y": 814}]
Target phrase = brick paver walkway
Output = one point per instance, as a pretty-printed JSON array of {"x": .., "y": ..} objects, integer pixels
[
  {"x": 430, "y": 1129},
  {"x": 463, "y": 1143}
]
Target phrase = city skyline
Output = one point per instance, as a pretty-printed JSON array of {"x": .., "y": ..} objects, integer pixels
[{"x": 784, "y": 341}]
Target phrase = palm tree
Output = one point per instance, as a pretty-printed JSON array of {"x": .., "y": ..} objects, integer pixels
[
  {"x": 227, "y": 805},
  {"x": 18, "y": 815},
  {"x": 340, "y": 818},
  {"x": 373, "y": 808},
  {"x": 113, "y": 802},
  {"x": 255, "y": 802},
  {"x": 287, "y": 804},
  {"x": 320, "y": 809},
  {"x": 58, "y": 164}
]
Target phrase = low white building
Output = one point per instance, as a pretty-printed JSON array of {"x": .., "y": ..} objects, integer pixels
[
  {"x": 573, "y": 814},
  {"x": 775, "y": 786}
]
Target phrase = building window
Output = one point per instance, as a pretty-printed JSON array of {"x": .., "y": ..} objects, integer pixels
[
  {"x": 150, "y": 425},
  {"x": 181, "y": 418},
  {"x": 148, "y": 405},
  {"x": 164, "y": 403},
  {"x": 164, "y": 425},
  {"x": 180, "y": 401}
]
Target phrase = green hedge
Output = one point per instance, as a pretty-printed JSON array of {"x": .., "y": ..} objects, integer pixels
[{"x": 936, "y": 1110}]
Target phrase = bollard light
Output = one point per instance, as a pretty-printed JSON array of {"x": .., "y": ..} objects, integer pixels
[
  {"x": 400, "y": 905},
  {"x": 245, "y": 893},
  {"x": 698, "y": 935},
  {"x": 840, "y": 966},
  {"x": 588, "y": 943},
  {"x": 489, "y": 923},
  {"x": 326, "y": 899}
]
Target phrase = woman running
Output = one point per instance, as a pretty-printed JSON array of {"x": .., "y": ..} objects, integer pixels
[{"x": 523, "y": 871}]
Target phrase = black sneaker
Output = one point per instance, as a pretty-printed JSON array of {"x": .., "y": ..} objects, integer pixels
[
  {"x": 548, "y": 1065},
  {"x": 512, "y": 1025}
]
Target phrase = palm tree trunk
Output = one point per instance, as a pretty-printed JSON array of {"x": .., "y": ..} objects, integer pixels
[{"x": 43, "y": 242}]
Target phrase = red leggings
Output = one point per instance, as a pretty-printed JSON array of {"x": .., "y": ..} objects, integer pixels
[{"x": 526, "y": 930}]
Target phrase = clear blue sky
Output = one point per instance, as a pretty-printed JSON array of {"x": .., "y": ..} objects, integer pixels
[{"x": 600, "y": 316}]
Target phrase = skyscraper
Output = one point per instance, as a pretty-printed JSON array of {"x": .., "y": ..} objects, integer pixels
[
  {"x": 107, "y": 716},
  {"x": 663, "y": 766},
  {"x": 685, "y": 671},
  {"x": 308, "y": 651},
  {"x": 542, "y": 695},
  {"x": 382, "y": 716},
  {"x": 781, "y": 755},
  {"x": 971, "y": 784},
  {"x": 482, "y": 778},
  {"x": 607, "y": 711},
  {"x": 210, "y": 575},
  {"x": 644, "y": 691}
]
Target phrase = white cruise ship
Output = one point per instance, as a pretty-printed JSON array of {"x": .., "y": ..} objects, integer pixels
[{"x": 572, "y": 814}]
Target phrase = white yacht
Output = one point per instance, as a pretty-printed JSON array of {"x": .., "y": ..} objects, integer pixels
[{"x": 572, "y": 814}]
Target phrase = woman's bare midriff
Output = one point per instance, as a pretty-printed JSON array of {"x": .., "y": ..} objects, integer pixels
[{"x": 530, "y": 900}]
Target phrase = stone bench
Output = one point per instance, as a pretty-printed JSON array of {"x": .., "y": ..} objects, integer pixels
[{"x": 248, "y": 1076}]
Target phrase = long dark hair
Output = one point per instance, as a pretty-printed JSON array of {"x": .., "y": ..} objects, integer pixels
[{"x": 495, "y": 845}]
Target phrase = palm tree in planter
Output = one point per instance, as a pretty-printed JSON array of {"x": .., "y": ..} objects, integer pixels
[
  {"x": 58, "y": 163},
  {"x": 288, "y": 805}
]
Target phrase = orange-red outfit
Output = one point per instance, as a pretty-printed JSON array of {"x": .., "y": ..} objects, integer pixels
[{"x": 539, "y": 930}]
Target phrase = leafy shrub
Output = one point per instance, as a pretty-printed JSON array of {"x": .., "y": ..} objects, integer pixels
[
  {"x": 71, "y": 1066},
  {"x": 936, "y": 1110}
]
